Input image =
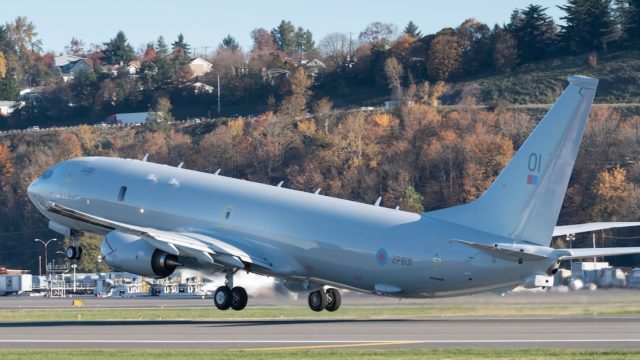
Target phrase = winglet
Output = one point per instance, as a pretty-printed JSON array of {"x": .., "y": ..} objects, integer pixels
[{"x": 217, "y": 172}]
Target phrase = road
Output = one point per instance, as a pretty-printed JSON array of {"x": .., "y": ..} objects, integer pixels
[{"x": 582, "y": 332}]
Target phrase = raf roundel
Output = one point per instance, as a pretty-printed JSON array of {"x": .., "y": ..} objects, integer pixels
[{"x": 381, "y": 256}]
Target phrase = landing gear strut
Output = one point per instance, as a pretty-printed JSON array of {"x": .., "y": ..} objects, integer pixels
[
  {"x": 228, "y": 296},
  {"x": 329, "y": 299},
  {"x": 74, "y": 252}
]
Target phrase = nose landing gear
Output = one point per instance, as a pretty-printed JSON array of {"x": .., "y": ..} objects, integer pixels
[{"x": 329, "y": 299}]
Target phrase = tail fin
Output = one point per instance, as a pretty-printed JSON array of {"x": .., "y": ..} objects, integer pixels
[{"x": 524, "y": 201}]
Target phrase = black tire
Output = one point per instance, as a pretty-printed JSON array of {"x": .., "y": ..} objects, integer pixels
[
  {"x": 239, "y": 298},
  {"x": 317, "y": 300},
  {"x": 222, "y": 298},
  {"x": 334, "y": 299},
  {"x": 71, "y": 253},
  {"x": 79, "y": 253}
]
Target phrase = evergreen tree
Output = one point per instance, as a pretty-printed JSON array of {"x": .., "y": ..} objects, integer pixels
[
  {"x": 534, "y": 31},
  {"x": 118, "y": 50},
  {"x": 283, "y": 36},
  {"x": 412, "y": 30},
  {"x": 589, "y": 25},
  {"x": 230, "y": 43},
  {"x": 289, "y": 39},
  {"x": 9, "y": 86},
  {"x": 181, "y": 44},
  {"x": 161, "y": 46},
  {"x": 629, "y": 20}
]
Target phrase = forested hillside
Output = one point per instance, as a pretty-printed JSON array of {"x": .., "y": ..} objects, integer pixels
[
  {"x": 416, "y": 157},
  {"x": 309, "y": 113}
]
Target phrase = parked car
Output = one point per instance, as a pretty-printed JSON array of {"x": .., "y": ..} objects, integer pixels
[{"x": 33, "y": 128}]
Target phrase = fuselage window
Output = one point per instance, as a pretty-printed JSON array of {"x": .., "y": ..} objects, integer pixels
[{"x": 122, "y": 193}]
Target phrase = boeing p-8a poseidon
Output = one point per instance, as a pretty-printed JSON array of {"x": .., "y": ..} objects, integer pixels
[{"x": 156, "y": 218}]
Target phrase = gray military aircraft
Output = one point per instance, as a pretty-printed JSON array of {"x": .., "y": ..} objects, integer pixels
[{"x": 155, "y": 218}]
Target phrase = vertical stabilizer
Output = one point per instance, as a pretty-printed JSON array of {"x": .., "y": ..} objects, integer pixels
[{"x": 524, "y": 201}]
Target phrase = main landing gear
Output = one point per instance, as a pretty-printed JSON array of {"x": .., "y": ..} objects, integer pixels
[
  {"x": 228, "y": 296},
  {"x": 329, "y": 299},
  {"x": 74, "y": 252}
]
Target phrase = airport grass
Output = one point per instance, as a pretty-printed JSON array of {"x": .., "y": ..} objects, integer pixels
[
  {"x": 289, "y": 313},
  {"x": 452, "y": 354}
]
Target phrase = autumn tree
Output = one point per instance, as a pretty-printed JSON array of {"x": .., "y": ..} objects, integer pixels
[
  {"x": 294, "y": 106},
  {"x": 444, "y": 56},
  {"x": 3, "y": 66},
  {"x": 75, "y": 47},
  {"x": 378, "y": 34},
  {"x": 504, "y": 50},
  {"x": 393, "y": 70},
  {"x": 615, "y": 198}
]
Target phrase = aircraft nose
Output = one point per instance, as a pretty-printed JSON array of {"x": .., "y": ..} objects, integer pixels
[{"x": 32, "y": 191}]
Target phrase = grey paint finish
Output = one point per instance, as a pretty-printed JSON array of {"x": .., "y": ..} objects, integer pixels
[{"x": 315, "y": 238}]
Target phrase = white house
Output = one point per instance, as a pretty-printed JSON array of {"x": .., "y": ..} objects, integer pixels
[{"x": 200, "y": 66}]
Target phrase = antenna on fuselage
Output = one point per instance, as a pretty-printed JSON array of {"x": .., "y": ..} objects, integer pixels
[
  {"x": 145, "y": 157},
  {"x": 180, "y": 165},
  {"x": 317, "y": 191},
  {"x": 397, "y": 207},
  {"x": 217, "y": 172},
  {"x": 377, "y": 203},
  {"x": 280, "y": 183}
]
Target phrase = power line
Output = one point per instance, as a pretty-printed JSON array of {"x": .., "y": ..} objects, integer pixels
[{"x": 22, "y": 232}]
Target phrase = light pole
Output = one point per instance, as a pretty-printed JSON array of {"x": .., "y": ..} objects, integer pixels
[
  {"x": 74, "y": 266},
  {"x": 46, "y": 258}
]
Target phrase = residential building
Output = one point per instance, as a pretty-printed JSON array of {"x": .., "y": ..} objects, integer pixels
[{"x": 200, "y": 66}]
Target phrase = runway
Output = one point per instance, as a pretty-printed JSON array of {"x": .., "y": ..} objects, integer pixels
[{"x": 261, "y": 335}]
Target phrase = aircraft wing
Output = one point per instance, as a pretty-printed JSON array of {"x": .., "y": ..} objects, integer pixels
[
  {"x": 205, "y": 248},
  {"x": 580, "y": 228}
]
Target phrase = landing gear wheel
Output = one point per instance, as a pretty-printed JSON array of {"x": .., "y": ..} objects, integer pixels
[
  {"x": 334, "y": 299},
  {"x": 239, "y": 298},
  {"x": 71, "y": 252},
  {"x": 222, "y": 298},
  {"x": 318, "y": 300},
  {"x": 74, "y": 252}
]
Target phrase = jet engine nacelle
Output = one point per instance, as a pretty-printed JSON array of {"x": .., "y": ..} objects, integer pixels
[{"x": 133, "y": 254}]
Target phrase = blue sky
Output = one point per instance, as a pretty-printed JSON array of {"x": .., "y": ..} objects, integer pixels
[{"x": 205, "y": 23}]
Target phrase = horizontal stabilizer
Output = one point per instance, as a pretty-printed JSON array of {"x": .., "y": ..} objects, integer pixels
[
  {"x": 568, "y": 254},
  {"x": 581, "y": 228},
  {"x": 511, "y": 251}
]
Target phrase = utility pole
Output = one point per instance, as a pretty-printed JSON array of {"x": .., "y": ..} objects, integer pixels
[
  {"x": 39, "y": 265},
  {"x": 218, "y": 94}
]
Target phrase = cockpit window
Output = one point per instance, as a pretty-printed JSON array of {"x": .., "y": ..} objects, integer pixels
[{"x": 47, "y": 174}]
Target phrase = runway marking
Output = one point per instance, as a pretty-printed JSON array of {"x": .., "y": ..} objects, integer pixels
[
  {"x": 334, "y": 346},
  {"x": 324, "y": 342}
]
